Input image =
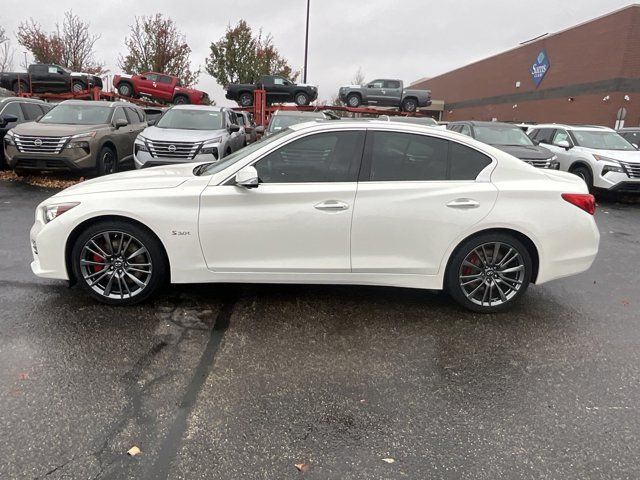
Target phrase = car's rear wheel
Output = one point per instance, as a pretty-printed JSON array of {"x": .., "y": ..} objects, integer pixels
[
  {"x": 118, "y": 263},
  {"x": 107, "y": 161},
  {"x": 180, "y": 100},
  {"x": 489, "y": 272},
  {"x": 20, "y": 87},
  {"x": 246, "y": 99},
  {"x": 301, "y": 99},
  {"x": 354, "y": 100},
  {"x": 125, "y": 90},
  {"x": 78, "y": 86},
  {"x": 409, "y": 105}
]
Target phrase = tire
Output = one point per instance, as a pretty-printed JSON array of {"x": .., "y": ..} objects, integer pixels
[
  {"x": 245, "y": 99},
  {"x": 584, "y": 173},
  {"x": 354, "y": 100},
  {"x": 101, "y": 272},
  {"x": 484, "y": 284},
  {"x": 107, "y": 161},
  {"x": 180, "y": 100},
  {"x": 20, "y": 87},
  {"x": 78, "y": 86},
  {"x": 125, "y": 89},
  {"x": 301, "y": 99},
  {"x": 409, "y": 105}
]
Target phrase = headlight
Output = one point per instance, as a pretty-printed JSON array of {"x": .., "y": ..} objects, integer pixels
[
  {"x": 81, "y": 140},
  {"x": 10, "y": 138},
  {"x": 612, "y": 165},
  {"x": 140, "y": 144},
  {"x": 554, "y": 164},
  {"x": 51, "y": 212}
]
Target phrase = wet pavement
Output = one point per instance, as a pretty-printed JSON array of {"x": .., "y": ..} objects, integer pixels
[{"x": 229, "y": 382}]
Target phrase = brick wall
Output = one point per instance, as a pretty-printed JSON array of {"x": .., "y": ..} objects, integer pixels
[{"x": 591, "y": 55}]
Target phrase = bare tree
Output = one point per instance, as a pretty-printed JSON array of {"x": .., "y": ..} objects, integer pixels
[
  {"x": 71, "y": 45},
  {"x": 6, "y": 52},
  {"x": 358, "y": 78},
  {"x": 156, "y": 45}
]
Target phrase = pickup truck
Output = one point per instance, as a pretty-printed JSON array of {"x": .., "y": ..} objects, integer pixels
[
  {"x": 48, "y": 78},
  {"x": 158, "y": 86},
  {"x": 279, "y": 90},
  {"x": 385, "y": 93}
]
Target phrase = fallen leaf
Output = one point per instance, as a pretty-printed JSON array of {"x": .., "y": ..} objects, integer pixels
[
  {"x": 133, "y": 451},
  {"x": 23, "y": 376},
  {"x": 302, "y": 467},
  {"x": 388, "y": 460}
]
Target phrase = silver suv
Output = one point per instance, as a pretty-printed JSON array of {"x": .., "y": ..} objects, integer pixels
[
  {"x": 599, "y": 155},
  {"x": 189, "y": 133}
]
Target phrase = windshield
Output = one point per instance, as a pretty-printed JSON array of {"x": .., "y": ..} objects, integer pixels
[
  {"x": 602, "y": 140},
  {"x": 279, "y": 122},
  {"x": 191, "y": 119},
  {"x": 243, "y": 152},
  {"x": 78, "y": 115},
  {"x": 499, "y": 135}
]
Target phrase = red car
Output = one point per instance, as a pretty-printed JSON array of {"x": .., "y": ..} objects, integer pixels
[{"x": 158, "y": 86}]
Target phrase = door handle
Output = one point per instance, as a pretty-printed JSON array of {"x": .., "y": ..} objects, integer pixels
[
  {"x": 463, "y": 203},
  {"x": 331, "y": 205}
]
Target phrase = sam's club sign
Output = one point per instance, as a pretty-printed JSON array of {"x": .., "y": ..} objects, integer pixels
[{"x": 540, "y": 67}]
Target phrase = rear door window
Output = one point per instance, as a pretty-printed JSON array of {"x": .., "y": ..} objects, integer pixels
[
  {"x": 391, "y": 84},
  {"x": 404, "y": 157}
]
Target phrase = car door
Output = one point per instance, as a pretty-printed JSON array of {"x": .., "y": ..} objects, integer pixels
[
  {"x": 122, "y": 136},
  {"x": 136, "y": 124},
  {"x": 374, "y": 91},
  {"x": 391, "y": 93},
  {"x": 280, "y": 91},
  {"x": 417, "y": 195},
  {"x": 9, "y": 108},
  {"x": 565, "y": 157},
  {"x": 165, "y": 87},
  {"x": 299, "y": 217},
  {"x": 147, "y": 84}
]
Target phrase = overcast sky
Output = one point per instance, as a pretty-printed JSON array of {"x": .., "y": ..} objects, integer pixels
[{"x": 407, "y": 39}]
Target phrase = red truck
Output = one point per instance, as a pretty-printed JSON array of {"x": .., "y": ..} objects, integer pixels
[{"x": 159, "y": 86}]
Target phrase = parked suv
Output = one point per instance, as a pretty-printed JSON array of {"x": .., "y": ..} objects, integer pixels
[
  {"x": 597, "y": 154},
  {"x": 631, "y": 135},
  {"x": 16, "y": 110},
  {"x": 76, "y": 136},
  {"x": 509, "y": 138},
  {"x": 189, "y": 133}
]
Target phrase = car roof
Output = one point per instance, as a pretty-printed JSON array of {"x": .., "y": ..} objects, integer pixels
[
  {"x": 21, "y": 99},
  {"x": 592, "y": 128},
  {"x": 296, "y": 113},
  {"x": 210, "y": 108},
  {"x": 629, "y": 129},
  {"x": 99, "y": 103},
  {"x": 481, "y": 123}
]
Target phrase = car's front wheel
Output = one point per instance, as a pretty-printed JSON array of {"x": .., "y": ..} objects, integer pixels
[
  {"x": 118, "y": 263},
  {"x": 489, "y": 272},
  {"x": 302, "y": 99}
]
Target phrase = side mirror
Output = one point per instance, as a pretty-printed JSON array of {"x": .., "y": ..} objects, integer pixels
[
  {"x": 234, "y": 128},
  {"x": 247, "y": 177},
  {"x": 563, "y": 144},
  {"x": 121, "y": 122},
  {"x": 260, "y": 130},
  {"x": 7, "y": 118},
  {"x": 152, "y": 122},
  {"x": 536, "y": 142}
]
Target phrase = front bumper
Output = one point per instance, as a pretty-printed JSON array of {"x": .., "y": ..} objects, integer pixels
[
  {"x": 48, "y": 243},
  {"x": 145, "y": 159},
  {"x": 71, "y": 161},
  {"x": 615, "y": 181}
]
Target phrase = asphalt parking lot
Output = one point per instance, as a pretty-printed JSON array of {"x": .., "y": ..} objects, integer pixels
[{"x": 236, "y": 382}]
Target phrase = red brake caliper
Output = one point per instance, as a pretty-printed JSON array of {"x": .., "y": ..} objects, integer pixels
[
  {"x": 467, "y": 270},
  {"x": 97, "y": 258}
]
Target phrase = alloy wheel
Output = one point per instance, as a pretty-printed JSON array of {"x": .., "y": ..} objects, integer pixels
[
  {"x": 108, "y": 160},
  {"x": 492, "y": 274},
  {"x": 116, "y": 265}
]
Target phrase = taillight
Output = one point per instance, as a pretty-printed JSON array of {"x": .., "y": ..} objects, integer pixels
[{"x": 584, "y": 201}]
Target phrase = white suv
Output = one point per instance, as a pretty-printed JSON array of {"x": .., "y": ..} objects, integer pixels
[{"x": 599, "y": 155}]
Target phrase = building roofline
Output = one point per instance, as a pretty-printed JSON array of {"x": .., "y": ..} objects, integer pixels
[{"x": 527, "y": 43}]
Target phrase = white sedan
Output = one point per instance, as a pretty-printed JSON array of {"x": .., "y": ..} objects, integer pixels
[{"x": 341, "y": 202}]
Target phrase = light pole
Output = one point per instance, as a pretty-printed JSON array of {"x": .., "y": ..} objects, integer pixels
[{"x": 306, "y": 44}]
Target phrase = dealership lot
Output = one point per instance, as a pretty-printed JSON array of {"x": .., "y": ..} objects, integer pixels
[{"x": 248, "y": 381}]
